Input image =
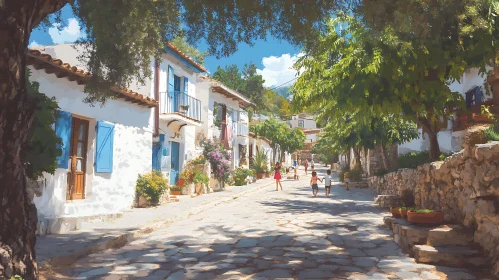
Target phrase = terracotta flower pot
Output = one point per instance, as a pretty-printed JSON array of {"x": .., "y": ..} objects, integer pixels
[
  {"x": 395, "y": 212},
  {"x": 426, "y": 219},
  {"x": 176, "y": 192},
  {"x": 259, "y": 175},
  {"x": 403, "y": 213}
]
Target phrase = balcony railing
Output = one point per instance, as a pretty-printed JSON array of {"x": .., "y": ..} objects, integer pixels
[
  {"x": 182, "y": 103},
  {"x": 242, "y": 129}
]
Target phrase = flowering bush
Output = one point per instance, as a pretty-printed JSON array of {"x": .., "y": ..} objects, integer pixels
[
  {"x": 199, "y": 160},
  {"x": 219, "y": 158},
  {"x": 240, "y": 176},
  {"x": 151, "y": 186}
]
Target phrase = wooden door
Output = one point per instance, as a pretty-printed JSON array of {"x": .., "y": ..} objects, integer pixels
[
  {"x": 224, "y": 121},
  {"x": 77, "y": 159}
]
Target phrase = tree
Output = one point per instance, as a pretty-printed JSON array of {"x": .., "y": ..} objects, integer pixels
[
  {"x": 231, "y": 77},
  {"x": 181, "y": 43},
  {"x": 352, "y": 69},
  {"x": 122, "y": 39},
  {"x": 280, "y": 135}
]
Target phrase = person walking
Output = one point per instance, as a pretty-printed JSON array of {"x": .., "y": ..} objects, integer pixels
[
  {"x": 313, "y": 165},
  {"x": 306, "y": 167},
  {"x": 327, "y": 182},
  {"x": 277, "y": 176},
  {"x": 313, "y": 183},
  {"x": 346, "y": 176}
]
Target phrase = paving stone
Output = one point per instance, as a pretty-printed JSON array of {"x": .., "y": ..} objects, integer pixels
[
  {"x": 274, "y": 273},
  {"x": 429, "y": 275},
  {"x": 351, "y": 269},
  {"x": 314, "y": 274},
  {"x": 246, "y": 242},
  {"x": 179, "y": 275},
  {"x": 341, "y": 261},
  {"x": 407, "y": 275},
  {"x": 365, "y": 261}
]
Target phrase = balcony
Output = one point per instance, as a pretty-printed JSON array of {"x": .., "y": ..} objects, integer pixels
[
  {"x": 179, "y": 106},
  {"x": 242, "y": 129}
]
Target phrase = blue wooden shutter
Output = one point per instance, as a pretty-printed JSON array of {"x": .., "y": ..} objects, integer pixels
[
  {"x": 158, "y": 153},
  {"x": 63, "y": 130},
  {"x": 104, "y": 147},
  {"x": 171, "y": 81}
]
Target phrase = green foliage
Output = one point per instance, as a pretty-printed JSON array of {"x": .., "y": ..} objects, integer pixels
[
  {"x": 381, "y": 172},
  {"x": 280, "y": 134},
  {"x": 201, "y": 178},
  {"x": 240, "y": 175},
  {"x": 423, "y": 211},
  {"x": 492, "y": 134},
  {"x": 151, "y": 186},
  {"x": 42, "y": 151},
  {"x": 413, "y": 159},
  {"x": 356, "y": 174},
  {"x": 390, "y": 72},
  {"x": 17, "y": 277},
  {"x": 260, "y": 161},
  {"x": 181, "y": 43}
]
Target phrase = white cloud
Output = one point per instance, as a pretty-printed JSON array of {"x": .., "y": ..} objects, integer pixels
[
  {"x": 34, "y": 44},
  {"x": 279, "y": 70},
  {"x": 68, "y": 34}
]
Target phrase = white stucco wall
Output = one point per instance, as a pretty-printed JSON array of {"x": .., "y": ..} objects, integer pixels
[
  {"x": 105, "y": 193},
  {"x": 311, "y": 138},
  {"x": 307, "y": 123},
  {"x": 469, "y": 80}
]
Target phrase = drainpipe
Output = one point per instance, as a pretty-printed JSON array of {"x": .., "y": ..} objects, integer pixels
[{"x": 156, "y": 97}]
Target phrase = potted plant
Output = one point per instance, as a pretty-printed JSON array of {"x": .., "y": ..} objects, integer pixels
[
  {"x": 267, "y": 172},
  {"x": 260, "y": 164},
  {"x": 201, "y": 180},
  {"x": 404, "y": 210},
  {"x": 184, "y": 108},
  {"x": 425, "y": 217},
  {"x": 395, "y": 212},
  {"x": 150, "y": 187},
  {"x": 177, "y": 189}
]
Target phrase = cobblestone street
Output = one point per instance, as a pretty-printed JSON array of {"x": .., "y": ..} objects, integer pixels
[{"x": 269, "y": 235}]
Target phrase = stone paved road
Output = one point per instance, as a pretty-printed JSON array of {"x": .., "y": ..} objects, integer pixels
[{"x": 269, "y": 235}]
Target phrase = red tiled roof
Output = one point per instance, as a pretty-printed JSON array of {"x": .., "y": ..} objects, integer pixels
[
  {"x": 65, "y": 70},
  {"x": 219, "y": 87},
  {"x": 188, "y": 58}
]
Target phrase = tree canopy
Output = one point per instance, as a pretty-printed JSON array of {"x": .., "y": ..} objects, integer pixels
[
  {"x": 351, "y": 69},
  {"x": 281, "y": 135}
]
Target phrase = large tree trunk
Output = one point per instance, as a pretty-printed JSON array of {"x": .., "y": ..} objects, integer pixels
[
  {"x": 384, "y": 156},
  {"x": 432, "y": 135},
  {"x": 356, "y": 153},
  {"x": 18, "y": 217},
  {"x": 349, "y": 157}
]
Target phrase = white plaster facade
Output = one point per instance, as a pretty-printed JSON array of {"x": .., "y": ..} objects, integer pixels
[
  {"x": 104, "y": 193},
  {"x": 236, "y": 118},
  {"x": 449, "y": 140}
]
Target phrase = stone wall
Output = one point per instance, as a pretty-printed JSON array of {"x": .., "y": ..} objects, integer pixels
[{"x": 465, "y": 186}]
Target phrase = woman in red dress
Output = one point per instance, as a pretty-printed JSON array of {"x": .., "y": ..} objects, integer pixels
[{"x": 277, "y": 176}]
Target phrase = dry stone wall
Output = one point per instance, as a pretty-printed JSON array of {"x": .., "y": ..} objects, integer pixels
[{"x": 465, "y": 186}]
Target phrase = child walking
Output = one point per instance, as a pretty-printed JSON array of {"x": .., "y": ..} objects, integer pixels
[
  {"x": 313, "y": 183},
  {"x": 327, "y": 182},
  {"x": 347, "y": 179}
]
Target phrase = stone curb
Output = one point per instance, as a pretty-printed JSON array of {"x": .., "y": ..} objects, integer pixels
[{"x": 118, "y": 240}]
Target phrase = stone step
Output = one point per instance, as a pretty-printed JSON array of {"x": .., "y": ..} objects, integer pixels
[
  {"x": 450, "y": 235},
  {"x": 454, "y": 256}
]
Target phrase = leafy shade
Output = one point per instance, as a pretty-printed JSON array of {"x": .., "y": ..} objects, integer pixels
[
  {"x": 350, "y": 69},
  {"x": 181, "y": 43},
  {"x": 42, "y": 151},
  {"x": 281, "y": 136}
]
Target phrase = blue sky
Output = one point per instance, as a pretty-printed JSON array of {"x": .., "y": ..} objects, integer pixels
[{"x": 272, "y": 57}]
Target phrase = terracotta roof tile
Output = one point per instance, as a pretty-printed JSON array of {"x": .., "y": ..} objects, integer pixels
[
  {"x": 188, "y": 58},
  {"x": 72, "y": 73},
  {"x": 225, "y": 90}
]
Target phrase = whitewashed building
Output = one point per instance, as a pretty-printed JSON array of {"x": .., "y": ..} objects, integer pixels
[
  {"x": 103, "y": 148},
  {"x": 472, "y": 88},
  {"x": 225, "y": 118}
]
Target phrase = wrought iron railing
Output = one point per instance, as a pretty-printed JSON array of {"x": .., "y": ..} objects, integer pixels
[{"x": 182, "y": 103}]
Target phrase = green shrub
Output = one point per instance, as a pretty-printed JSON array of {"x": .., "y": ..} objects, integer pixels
[
  {"x": 260, "y": 162},
  {"x": 240, "y": 176},
  {"x": 423, "y": 211},
  {"x": 151, "y": 186},
  {"x": 381, "y": 172},
  {"x": 201, "y": 178},
  {"x": 413, "y": 160},
  {"x": 356, "y": 175},
  {"x": 492, "y": 134},
  {"x": 444, "y": 155}
]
